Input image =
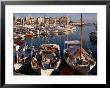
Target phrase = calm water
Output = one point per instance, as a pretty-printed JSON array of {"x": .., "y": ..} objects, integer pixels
[{"x": 60, "y": 38}]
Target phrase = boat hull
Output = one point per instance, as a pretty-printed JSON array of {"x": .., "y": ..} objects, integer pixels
[
  {"x": 83, "y": 65},
  {"x": 45, "y": 71},
  {"x": 17, "y": 67},
  {"x": 47, "y": 59},
  {"x": 83, "y": 69}
]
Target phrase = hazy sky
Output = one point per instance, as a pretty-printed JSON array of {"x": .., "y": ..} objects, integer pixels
[{"x": 87, "y": 17}]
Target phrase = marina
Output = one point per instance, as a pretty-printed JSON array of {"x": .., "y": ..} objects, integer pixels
[{"x": 40, "y": 49}]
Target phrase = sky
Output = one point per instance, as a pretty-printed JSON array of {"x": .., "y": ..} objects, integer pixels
[{"x": 87, "y": 17}]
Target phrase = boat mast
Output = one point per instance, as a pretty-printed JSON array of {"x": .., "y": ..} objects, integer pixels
[
  {"x": 81, "y": 38},
  {"x": 31, "y": 46}
]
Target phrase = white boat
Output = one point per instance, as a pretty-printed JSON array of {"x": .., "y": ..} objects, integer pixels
[
  {"x": 66, "y": 28},
  {"x": 77, "y": 58},
  {"x": 21, "y": 57},
  {"x": 83, "y": 64},
  {"x": 17, "y": 65},
  {"x": 70, "y": 28},
  {"x": 55, "y": 31},
  {"x": 72, "y": 42},
  {"x": 47, "y": 60},
  {"x": 38, "y": 32}
]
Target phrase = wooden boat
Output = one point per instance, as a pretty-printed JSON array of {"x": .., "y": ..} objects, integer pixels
[
  {"x": 47, "y": 59},
  {"x": 76, "y": 57}
]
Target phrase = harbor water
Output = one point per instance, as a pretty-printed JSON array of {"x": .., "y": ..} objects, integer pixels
[{"x": 59, "y": 38}]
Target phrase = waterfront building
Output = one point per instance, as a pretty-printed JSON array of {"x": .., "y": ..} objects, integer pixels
[{"x": 40, "y": 20}]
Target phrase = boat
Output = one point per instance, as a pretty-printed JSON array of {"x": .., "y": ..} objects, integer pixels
[
  {"x": 27, "y": 36},
  {"x": 76, "y": 42},
  {"x": 93, "y": 36},
  {"x": 65, "y": 28},
  {"x": 17, "y": 65},
  {"x": 44, "y": 32},
  {"x": 22, "y": 56},
  {"x": 47, "y": 59},
  {"x": 77, "y": 57},
  {"x": 55, "y": 31},
  {"x": 70, "y": 28}
]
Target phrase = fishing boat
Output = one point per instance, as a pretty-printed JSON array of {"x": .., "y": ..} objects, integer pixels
[
  {"x": 22, "y": 56},
  {"x": 47, "y": 59},
  {"x": 76, "y": 57},
  {"x": 17, "y": 65},
  {"x": 93, "y": 35}
]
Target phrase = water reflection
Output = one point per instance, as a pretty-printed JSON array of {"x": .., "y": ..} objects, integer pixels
[{"x": 59, "y": 38}]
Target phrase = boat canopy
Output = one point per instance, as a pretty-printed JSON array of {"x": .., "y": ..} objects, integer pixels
[{"x": 75, "y": 42}]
